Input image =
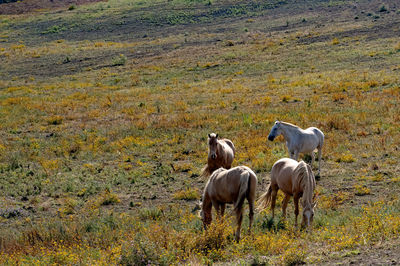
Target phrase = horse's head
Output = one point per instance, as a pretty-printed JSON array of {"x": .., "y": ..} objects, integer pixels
[
  {"x": 204, "y": 212},
  {"x": 275, "y": 131},
  {"x": 308, "y": 215},
  {"x": 212, "y": 145}
]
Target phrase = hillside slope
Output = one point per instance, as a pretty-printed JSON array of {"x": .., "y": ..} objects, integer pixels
[{"x": 105, "y": 110}]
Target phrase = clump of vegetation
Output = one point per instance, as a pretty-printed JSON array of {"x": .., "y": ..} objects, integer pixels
[
  {"x": 345, "y": 158},
  {"x": 119, "y": 60},
  {"x": 286, "y": 98},
  {"x": 335, "y": 41},
  {"x": 187, "y": 194},
  {"x": 109, "y": 198},
  {"x": 294, "y": 256},
  {"x": 382, "y": 8},
  {"x": 55, "y": 120},
  {"x": 361, "y": 190}
]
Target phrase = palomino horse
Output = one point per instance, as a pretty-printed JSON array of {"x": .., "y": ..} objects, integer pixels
[
  {"x": 220, "y": 154},
  {"x": 299, "y": 140},
  {"x": 294, "y": 179},
  {"x": 229, "y": 186}
]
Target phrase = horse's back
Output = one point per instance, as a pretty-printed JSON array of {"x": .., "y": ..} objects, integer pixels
[
  {"x": 282, "y": 174},
  {"x": 228, "y": 152},
  {"x": 224, "y": 184},
  {"x": 230, "y": 144},
  {"x": 317, "y": 132}
]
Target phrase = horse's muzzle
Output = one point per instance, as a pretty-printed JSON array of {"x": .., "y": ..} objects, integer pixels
[
  {"x": 271, "y": 138},
  {"x": 213, "y": 156}
]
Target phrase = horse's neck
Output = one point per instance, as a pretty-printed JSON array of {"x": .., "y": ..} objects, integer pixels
[
  {"x": 307, "y": 190},
  {"x": 288, "y": 132},
  {"x": 220, "y": 148}
]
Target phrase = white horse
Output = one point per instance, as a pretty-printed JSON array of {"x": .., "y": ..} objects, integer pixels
[{"x": 299, "y": 140}]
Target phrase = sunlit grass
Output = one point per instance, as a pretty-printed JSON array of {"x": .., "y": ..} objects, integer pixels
[{"x": 103, "y": 139}]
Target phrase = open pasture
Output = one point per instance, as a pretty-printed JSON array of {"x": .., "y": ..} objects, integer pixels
[{"x": 105, "y": 110}]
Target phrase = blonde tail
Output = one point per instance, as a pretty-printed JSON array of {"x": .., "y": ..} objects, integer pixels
[
  {"x": 205, "y": 172},
  {"x": 265, "y": 199}
]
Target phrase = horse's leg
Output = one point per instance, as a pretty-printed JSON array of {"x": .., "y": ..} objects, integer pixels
[
  {"x": 273, "y": 201},
  {"x": 251, "y": 213},
  {"x": 296, "y": 155},
  {"x": 222, "y": 209},
  {"x": 239, "y": 218},
  {"x": 284, "y": 204},
  {"x": 292, "y": 155},
  {"x": 319, "y": 160},
  {"x": 296, "y": 207},
  {"x": 312, "y": 158},
  {"x": 217, "y": 209}
]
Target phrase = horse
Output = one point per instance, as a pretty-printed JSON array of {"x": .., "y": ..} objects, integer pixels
[
  {"x": 294, "y": 179},
  {"x": 221, "y": 153},
  {"x": 229, "y": 186},
  {"x": 299, "y": 140}
]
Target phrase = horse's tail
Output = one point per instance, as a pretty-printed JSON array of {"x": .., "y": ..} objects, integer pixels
[
  {"x": 205, "y": 172},
  {"x": 245, "y": 186},
  {"x": 265, "y": 199}
]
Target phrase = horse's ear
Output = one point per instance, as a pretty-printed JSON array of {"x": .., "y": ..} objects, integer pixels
[
  {"x": 216, "y": 136},
  {"x": 209, "y": 135}
]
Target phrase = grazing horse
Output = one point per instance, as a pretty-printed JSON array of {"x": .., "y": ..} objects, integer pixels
[
  {"x": 299, "y": 140},
  {"x": 229, "y": 186},
  {"x": 294, "y": 179},
  {"x": 220, "y": 154}
]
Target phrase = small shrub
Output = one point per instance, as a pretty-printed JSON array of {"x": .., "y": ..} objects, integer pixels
[
  {"x": 229, "y": 43},
  {"x": 215, "y": 237},
  {"x": 119, "y": 60},
  {"x": 345, "y": 158},
  {"x": 71, "y": 7},
  {"x": 286, "y": 98},
  {"x": 150, "y": 214},
  {"x": 294, "y": 256},
  {"x": 55, "y": 120},
  {"x": 336, "y": 97},
  {"x": 382, "y": 8},
  {"x": 69, "y": 206},
  {"x": 141, "y": 251},
  {"x": 397, "y": 47},
  {"x": 335, "y": 41},
  {"x": 361, "y": 190},
  {"x": 337, "y": 122},
  {"x": 109, "y": 198},
  {"x": 187, "y": 194}
]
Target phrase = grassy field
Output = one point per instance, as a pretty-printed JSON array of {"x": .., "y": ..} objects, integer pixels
[{"x": 105, "y": 110}]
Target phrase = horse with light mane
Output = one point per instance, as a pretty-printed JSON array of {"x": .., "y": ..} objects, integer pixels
[
  {"x": 294, "y": 179},
  {"x": 221, "y": 153},
  {"x": 300, "y": 140},
  {"x": 229, "y": 186}
]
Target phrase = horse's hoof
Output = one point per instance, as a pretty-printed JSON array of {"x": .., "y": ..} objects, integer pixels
[{"x": 318, "y": 177}]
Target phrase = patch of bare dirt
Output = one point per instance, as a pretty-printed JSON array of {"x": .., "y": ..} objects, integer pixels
[
  {"x": 387, "y": 253},
  {"x": 29, "y": 6}
]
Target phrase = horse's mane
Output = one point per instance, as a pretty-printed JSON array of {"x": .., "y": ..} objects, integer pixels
[
  {"x": 219, "y": 170},
  {"x": 289, "y": 124},
  {"x": 304, "y": 178}
]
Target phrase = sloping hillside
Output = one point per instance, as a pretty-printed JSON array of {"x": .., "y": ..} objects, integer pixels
[{"x": 105, "y": 110}]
